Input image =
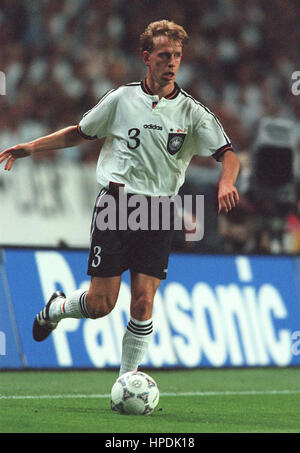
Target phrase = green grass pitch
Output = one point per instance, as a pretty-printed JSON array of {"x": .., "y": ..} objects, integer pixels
[{"x": 264, "y": 400}]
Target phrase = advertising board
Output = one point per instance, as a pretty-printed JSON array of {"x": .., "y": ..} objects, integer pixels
[{"x": 212, "y": 311}]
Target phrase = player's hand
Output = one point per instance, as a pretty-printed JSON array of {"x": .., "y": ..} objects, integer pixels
[
  {"x": 228, "y": 197},
  {"x": 13, "y": 153}
]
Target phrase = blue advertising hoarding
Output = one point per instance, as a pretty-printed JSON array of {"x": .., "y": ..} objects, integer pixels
[
  {"x": 212, "y": 311},
  {"x": 11, "y": 355}
]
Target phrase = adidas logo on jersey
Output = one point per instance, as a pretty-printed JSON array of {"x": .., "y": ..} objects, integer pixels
[{"x": 153, "y": 126}]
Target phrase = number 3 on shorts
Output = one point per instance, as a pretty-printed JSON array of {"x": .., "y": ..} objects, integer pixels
[{"x": 97, "y": 259}]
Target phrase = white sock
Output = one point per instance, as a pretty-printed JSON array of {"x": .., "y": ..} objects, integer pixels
[
  {"x": 135, "y": 344},
  {"x": 73, "y": 306}
]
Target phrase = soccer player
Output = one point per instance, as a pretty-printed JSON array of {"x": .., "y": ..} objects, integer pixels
[{"x": 153, "y": 128}]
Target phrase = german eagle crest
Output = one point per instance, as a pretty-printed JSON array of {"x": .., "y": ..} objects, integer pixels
[{"x": 175, "y": 142}]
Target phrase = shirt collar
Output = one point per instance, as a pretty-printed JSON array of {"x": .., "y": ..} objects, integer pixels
[{"x": 174, "y": 93}]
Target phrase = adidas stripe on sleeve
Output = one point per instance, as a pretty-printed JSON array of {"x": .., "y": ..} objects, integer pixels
[
  {"x": 95, "y": 123},
  {"x": 210, "y": 137}
]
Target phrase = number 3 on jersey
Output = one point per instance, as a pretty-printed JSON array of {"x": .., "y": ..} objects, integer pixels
[
  {"x": 134, "y": 142},
  {"x": 97, "y": 258}
]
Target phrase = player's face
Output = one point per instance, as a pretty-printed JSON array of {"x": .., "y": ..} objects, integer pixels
[{"x": 164, "y": 61}]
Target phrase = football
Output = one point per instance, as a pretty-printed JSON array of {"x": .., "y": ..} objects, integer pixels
[{"x": 134, "y": 393}]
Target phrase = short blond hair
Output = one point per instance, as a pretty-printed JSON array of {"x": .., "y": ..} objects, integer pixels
[{"x": 162, "y": 28}]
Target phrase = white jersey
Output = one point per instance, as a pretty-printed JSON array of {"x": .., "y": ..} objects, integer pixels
[{"x": 150, "y": 141}]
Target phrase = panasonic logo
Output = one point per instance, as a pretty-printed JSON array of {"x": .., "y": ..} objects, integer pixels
[{"x": 153, "y": 126}]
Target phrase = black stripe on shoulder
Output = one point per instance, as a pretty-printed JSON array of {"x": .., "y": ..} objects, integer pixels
[
  {"x": 105, "y": 95},
  {"x": 208, "y": 111},
  {"x": 187, "y": 95}
]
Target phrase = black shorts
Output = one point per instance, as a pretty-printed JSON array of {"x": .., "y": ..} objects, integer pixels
[{"x": 114, "y": 250}]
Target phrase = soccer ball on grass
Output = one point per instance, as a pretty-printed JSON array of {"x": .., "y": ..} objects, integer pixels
[{"x": 134, "y": 393}]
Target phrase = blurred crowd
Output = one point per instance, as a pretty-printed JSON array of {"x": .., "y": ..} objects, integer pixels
[{"x": 59, "y": 57}]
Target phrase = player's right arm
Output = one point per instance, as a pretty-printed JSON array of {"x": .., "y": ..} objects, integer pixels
[
  {"x": 94, "y": 124},
  {"x": 64, "y": 138}
]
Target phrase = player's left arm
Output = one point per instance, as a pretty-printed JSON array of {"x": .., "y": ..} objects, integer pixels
[{"x": 228, "y": 196}]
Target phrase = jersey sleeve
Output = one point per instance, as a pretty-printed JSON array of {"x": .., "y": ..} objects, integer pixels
[
  {"x": 210, "y": 137},
  {"x": 95, "y": 123}
]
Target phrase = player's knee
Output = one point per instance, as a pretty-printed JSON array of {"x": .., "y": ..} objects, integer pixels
[
  {"x": 99, "y": 305},
  {"x": 141, "y": 307}
]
